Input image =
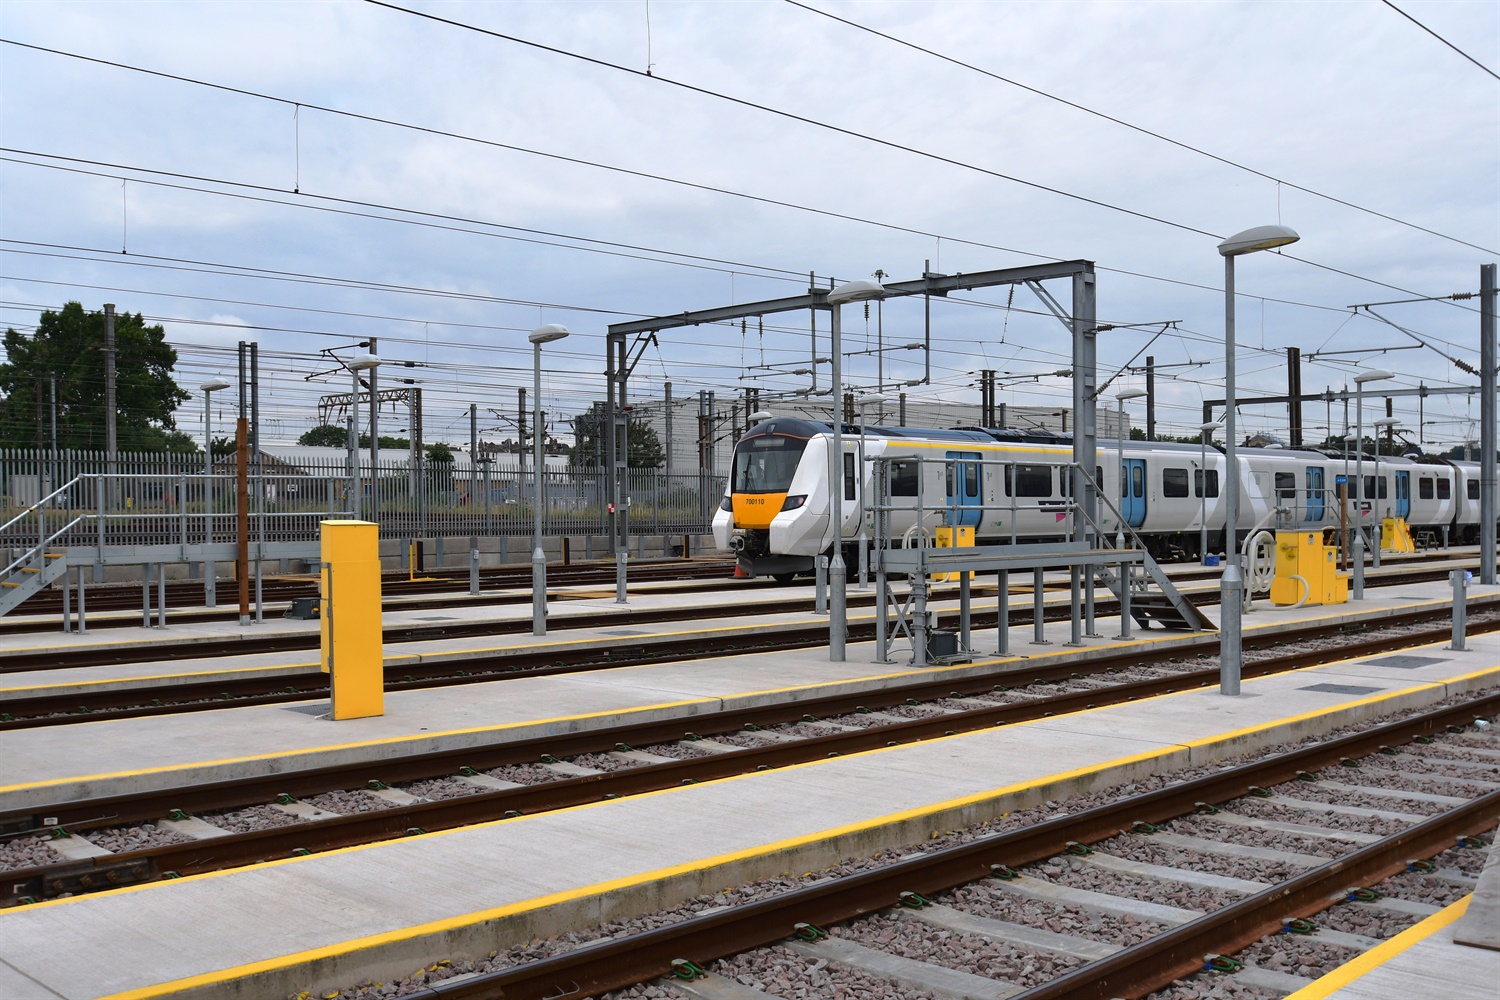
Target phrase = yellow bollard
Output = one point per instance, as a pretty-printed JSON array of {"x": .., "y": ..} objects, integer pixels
[
  {"x": 353, "y": 654},
  {"x": 1395, "y": 535}
]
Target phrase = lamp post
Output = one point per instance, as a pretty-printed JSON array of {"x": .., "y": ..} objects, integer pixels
[
  {"x": 852, "y": 291},
  {"x": 1120, "y": 456},
  {"x": 360, "y": 363},
  {"x": 1359, "y": 475},
  {"x": 1380, "y": 425},
  {"x": 1205, "y": 431},
  {"x": 1232, "y": 583},
  {"x": 873, "y": 399},
  {"x": 541, "y": 335}
]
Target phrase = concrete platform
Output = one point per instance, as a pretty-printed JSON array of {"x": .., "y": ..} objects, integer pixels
[
  {"x": 83, "y": 760},
  {"x": 338, "y": 918}
]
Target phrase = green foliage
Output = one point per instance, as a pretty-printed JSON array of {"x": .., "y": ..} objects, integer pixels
[
  {"x": 589, "y": 449},
  {"x": 70, "y": 345},
  {"x": 335, "y": 436},
  {"x": 439, "y": 452}
]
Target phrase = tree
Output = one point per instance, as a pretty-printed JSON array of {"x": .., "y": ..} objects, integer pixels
[
  {"x": 439, "y": 452},
  {"x": 334, "y": 436},
  {"x": 70, "y": 346},
  {"x": 590, "y": 444}
]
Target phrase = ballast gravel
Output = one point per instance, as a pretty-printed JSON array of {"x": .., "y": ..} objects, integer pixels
[
  {"x": 27, "y": 852},
  {"x": 136, "y": 837}
]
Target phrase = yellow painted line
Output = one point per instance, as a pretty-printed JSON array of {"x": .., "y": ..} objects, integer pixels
[
  {"x": 205, "y": 674},
  {"x": 1382, "y": 953},
  {"x": 553, "y": 899},
  {"x": 384, "y": 741}
]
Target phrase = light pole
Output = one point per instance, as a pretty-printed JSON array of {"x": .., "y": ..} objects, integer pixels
[
  {"x": 852, "y": 291},
  {"x": 1205, "y": 431},
  {"x": 1232, "y": 583},
  {"x": 1380, "y": 425},
  {"x": 541, "y": 335},
  {"x": 359, "y": 363},
  {"x": 873, "y": 399},
  {"x": 1359, "y": 475},
  {"x": 1120, "y": 456}
]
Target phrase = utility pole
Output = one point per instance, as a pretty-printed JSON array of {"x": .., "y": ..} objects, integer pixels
[
  {"x": 668, "y": 417},
  {"x": 1294, "y": 395},
  {"x": 521, "y": 441},
  {"x": 1487, "y": 484},
  {"x": 111, "y": 459},
  {"x": 1150, "y": 398}
]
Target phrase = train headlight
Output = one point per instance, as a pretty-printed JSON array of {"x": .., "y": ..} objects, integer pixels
[
  {"x": 726, "y": 504},
  {"x": 793, "y": 501}
]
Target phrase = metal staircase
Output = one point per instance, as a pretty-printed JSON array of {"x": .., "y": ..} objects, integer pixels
[
  {"x": 40, "y": 565},
  {"x": 1165, "y": 604},
  {"x": 36, "y": 569}
]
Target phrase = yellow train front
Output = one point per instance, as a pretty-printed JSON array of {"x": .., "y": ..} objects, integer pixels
[{"x": 774, "y": 514}]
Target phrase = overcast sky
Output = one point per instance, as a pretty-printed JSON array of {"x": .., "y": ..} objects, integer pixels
[{"x": 572, "y": 188}]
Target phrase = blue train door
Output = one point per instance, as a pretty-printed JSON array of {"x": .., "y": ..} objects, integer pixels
[
  {"x": 1314, "y": 494},
  {"x": 963, "y": 489},
  {"x": 1133, "y": 491},
  {"x": 1403, "y": 494}
]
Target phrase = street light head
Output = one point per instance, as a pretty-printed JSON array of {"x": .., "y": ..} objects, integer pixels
[
  {"x": 363, "y": 362},
  {"x": 1259, "y": 238},
  {"x": 1373, "y": 376},
  {"x": 856, "y": 291},
  {"x": 760, "y": 415},
  {"x": 1387, "y": 422},
  {"x": 1212, "y": 425},
  {"x": 214, "y": 385},
  {"x": 874, "y": 399},
  {"x": 547, "y": 334},
  {"x": 1125, "y": 394}
]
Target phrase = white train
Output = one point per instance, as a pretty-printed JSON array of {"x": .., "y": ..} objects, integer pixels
[{"x": 774, "y": 515}]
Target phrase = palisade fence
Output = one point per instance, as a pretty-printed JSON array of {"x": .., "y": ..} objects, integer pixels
[{"x": 150, "y": 499}]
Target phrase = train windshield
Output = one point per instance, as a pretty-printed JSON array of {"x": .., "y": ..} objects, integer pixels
[{"x": 765, "y": 463}]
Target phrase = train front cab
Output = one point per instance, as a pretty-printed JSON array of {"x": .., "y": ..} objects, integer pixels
[{"x": 761, "y": 478}]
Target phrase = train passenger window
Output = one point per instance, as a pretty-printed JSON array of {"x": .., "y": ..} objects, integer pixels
[
  {"x": 1286, "y": 485},
  {"x": 1030, "y": 480},
  {"x": 1473, "y": 489},
  {"x": 1445, "y": 489},
  {"x": 1382, "y": 485},
  {"x": 1213, "y": 482},
  {"x": 848, "y": 475},
  {"x": 903, "y": 479},
  {"x": 971, "y": 479},
  {"x": 1174, "y": 482},
  {"x": 1424, "y": 488}
]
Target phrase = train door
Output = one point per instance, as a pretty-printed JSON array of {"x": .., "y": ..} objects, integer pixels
[
  {"x": 1403, "y": 494},
  {"x": 1314, "y": 494},
  {"x": 1133, "y": 491},
  {"x": 963, "y": 489}
]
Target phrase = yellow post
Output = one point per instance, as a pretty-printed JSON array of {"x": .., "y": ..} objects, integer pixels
[
  {"x": 1395, "y": 535},
  {"x": 353, "y": 656}
]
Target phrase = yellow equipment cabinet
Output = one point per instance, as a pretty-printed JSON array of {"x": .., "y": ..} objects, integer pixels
[
  {"x": 1307, "y": 571},
  {"x": 353, "y": 654},
  {"x": 951, "y": 538},
  {"x": 1395, "y": 535}
]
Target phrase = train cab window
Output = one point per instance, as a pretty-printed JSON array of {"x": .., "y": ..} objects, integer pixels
[
  {"x": 1473, "y": 489},
  {"x": 1424, "y": 488},
  {"x": 1213, "y": 482},
  {"x": 1029, "y": 480},
  {"x": 1286, "y": 485},
  {"x": 848, "y": 475},
  {"x": 903, "y": 479},
  {"x": 1174, "y": 482},
  {"x": 1445, "y": 489}
]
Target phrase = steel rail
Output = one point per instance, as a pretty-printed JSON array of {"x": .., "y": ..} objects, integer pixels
[
  {"x": 167, "y": 699},
  {"x": 618, "y": 963},
  {"x": 250, "y": 848}
]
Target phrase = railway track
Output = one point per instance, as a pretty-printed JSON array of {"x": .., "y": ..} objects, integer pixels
[
  {"x": 256, "y": 819},
  {"x": 188, "y": 594},
  {"x": 163, "y": 699}
]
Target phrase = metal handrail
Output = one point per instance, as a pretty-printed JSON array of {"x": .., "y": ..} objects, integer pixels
[
  {"x": 36, "y": 507},
  {"x": 40, "y": 546}
]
